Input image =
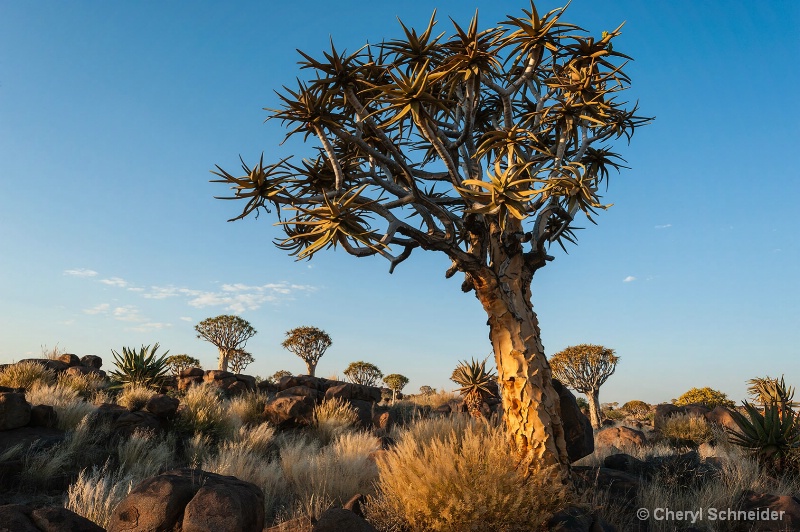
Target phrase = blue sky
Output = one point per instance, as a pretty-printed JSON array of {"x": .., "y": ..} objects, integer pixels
[{"x": 112, "y": 115}]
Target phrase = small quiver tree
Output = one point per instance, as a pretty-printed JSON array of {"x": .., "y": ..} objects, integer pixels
[
  {"x": 178, "y": 363},
  {"x": 228, "y": 333},
  {"x": 396, "y": 383},
  {"x": 309, "y": 343},
  {"x": 585, "y": 368},
  {"x": 240, "y": 359},
  {"x": 363, "y": 373}
]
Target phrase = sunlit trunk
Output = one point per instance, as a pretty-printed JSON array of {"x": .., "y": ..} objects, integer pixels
[
  {"x": 593, "y": 398},
  {"x": 223, "y": 359},
  {"x": 530, "y": 403},
  {"x": 311, "y": 368}
]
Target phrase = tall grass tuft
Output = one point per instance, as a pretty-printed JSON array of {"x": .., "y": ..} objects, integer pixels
[
  {"x": 70, "y": 408},
  {"x": 461, "y": 481},
  {"x": 87, "y": 385},
  {"x": 134, "y": 397},
  {"x": 248, "y": 407},
  {"x": 26, "y": 375},
  {"x": 204, "y": 412},
  {"x": 96, "y": 494},
  {"x": 686, "y": 428},
  {"x": 145, "y": 454},
  {"x": 333, "y": 417}
]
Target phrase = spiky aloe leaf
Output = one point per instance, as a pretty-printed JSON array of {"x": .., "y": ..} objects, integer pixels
[{"x": 139, "y": 368}]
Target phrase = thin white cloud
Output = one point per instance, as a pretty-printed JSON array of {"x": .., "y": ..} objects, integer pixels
[
  {"x": 151, "y": 326},
  {"x": 80, "y": 272},
  {"x": 665, "y": 226},
  {"x": 102, "y": 308},
  {"x": 135, "y": 289},
  {"x": 115, "y": 281},
  {"x": 239, "y": 297},
  {"x": 186, "y": 318},
  {"x": 128, "y": 313},
  {"x": 629, "y": 279}
]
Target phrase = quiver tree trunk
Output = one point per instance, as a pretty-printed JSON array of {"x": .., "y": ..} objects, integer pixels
[
  {"x": 224, "y": 356},
  {"x": 311, "y": 368},
  {"x": 531, "y": 408},
  {"x": 593, "y": 398}
]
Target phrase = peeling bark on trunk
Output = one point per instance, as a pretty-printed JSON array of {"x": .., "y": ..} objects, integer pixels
[
  {"x": 593, "y": 398},
  {"x": 531, "y": 407}
]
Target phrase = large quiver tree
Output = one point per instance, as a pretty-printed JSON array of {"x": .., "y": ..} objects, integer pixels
[{"x": 482, "y": 146}]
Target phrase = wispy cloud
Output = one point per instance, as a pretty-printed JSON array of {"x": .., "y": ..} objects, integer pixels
[
  {"x": 151, "y": 326},
  {"x": 629, "y": 279},
  {"x": 115, "y": 281},
  {"x": 186, "y": 318},
  {"x": 80, "y": 272},
  {"x": 665, "y": 226},
  {"x": 128, "y": 313},
  {"x": 102, "y": 308}
]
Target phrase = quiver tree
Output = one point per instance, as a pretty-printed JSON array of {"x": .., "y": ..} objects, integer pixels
[
  {"x": 363, "y": 373},
  {"x": 228, "y": 333},
  {"x": 240, "y": 359},
  {"x": 585, "y": 368},
  {"x": 309, "y": 343},
  {"x": 483, "y": 145},
  {"x": 178, "y": 363},
  {"x": 396, "y": 383}
]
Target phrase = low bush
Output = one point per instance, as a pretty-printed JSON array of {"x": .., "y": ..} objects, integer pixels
[
  {"x": 463, "y": 480},
  {"x": 88, "y": 385},
  {"x": 333, "y": 417},
  {"x": 635, "y": 408},
  {"x": 134, "y": 397},
  {"x": 707, "y": 397}
]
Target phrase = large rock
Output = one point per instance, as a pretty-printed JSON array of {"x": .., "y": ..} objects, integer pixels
[
  {"x": 92, "y": 361},
  {"x": 184, "y": 383},
  {"x": 577, "y": 519},
  {"x": 286, "y": 412},
  {"x": 43, "y": 416},
  {"x": 619, "y": 437},
  {"x": 192, "y": 372},
  {"x": 577, "y": 427},
  {"x": 341, "y": 520},
  {"x": 55, "y": 365},
  {"x": 722, "y": 416},
  {"x": 315, "y": 383},
  {"x": 85, "y": 370},
  {"x": 190, "y": 500},
  {"x": 300, "y": 391},
  {"x": 15, "y": 412},
  {"x": 772, "y": 512},
  {"x": 621, "y": 486},
  {"x": 664, "y": 411},
  {"x": 38, "y": 437},
  {"x": 162, "y": 406},
  {"x": 130, "y": 422},
  {"x": 70, "y": 360},
  {"x": 22, "y": 518}
]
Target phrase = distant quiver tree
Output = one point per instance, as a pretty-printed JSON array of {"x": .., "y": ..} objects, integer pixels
[
  {"x": 396, "y": 383},
  {"x": 482, "y": 145},
  {"x": 240, "y": 359},
  {"x": 585, "y": 368},
  {"x": 309, "y": 343},
  {"x": 178, "y": 363},
  {"x": 364, "y": 373},
  {"x": 228, "y": 333}
]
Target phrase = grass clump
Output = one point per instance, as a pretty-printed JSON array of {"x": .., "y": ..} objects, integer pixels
[
  {"x": 87, "y": 385},
  {"x": 134, "y": 397},
  {"x": 96, "y": 493},
  {"x": 248, "y": 407},
  {"x": 463, "y": 480},
  {"x": 70, "y": 408},
  {"x": 204, "y": 412},
  {"x": 333, "y": 417},
  {"x": 682, "y": 429},
  {"x": 26, "y": 375}
]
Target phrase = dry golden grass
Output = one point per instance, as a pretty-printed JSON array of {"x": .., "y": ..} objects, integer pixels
[
  {"x": 96, "y": 494},
  {"x": 204, "y": 412},
  {"x": 134, "y": 397},
  {"x": 26, "y": 375},
  {"x": 70, "y": 408},
  {"x": 248, "y": 408},
  {"x": 333, "y": 417},
  {"x": 87, "y": 385},
  {"x": 687, "y": 428},
  {"x": 462, "y": 479},
  {"x": 434, "y": 400}
]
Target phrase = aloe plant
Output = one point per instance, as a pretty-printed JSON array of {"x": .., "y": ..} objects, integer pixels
[
  {"x": 139, "y": 368},
  {"x": 771, "y": 435},
  {"x": 475, "y": 384}
]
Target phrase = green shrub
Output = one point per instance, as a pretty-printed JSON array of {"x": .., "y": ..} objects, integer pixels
[
  {"x": 772, "y": 436},
  {"x": 707, "y": 397},
  {"x": 462, "y": 479},
  {"x": 26, "y": 375}
]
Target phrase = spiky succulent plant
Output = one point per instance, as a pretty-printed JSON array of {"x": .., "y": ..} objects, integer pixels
[
  {"x": 766, "y": 391},
  {"x": 139, "y": 368},
  {"x": 474, "y": 384},
  {"x": 771, "y": 436}
]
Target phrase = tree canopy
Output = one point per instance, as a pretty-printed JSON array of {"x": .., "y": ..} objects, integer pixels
[
  {"x": 228, "y": 333},
  {"x": 178, "y": 363},
  {"x": 362, "y": 372},
  {"x": 309, "y": 343}
]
